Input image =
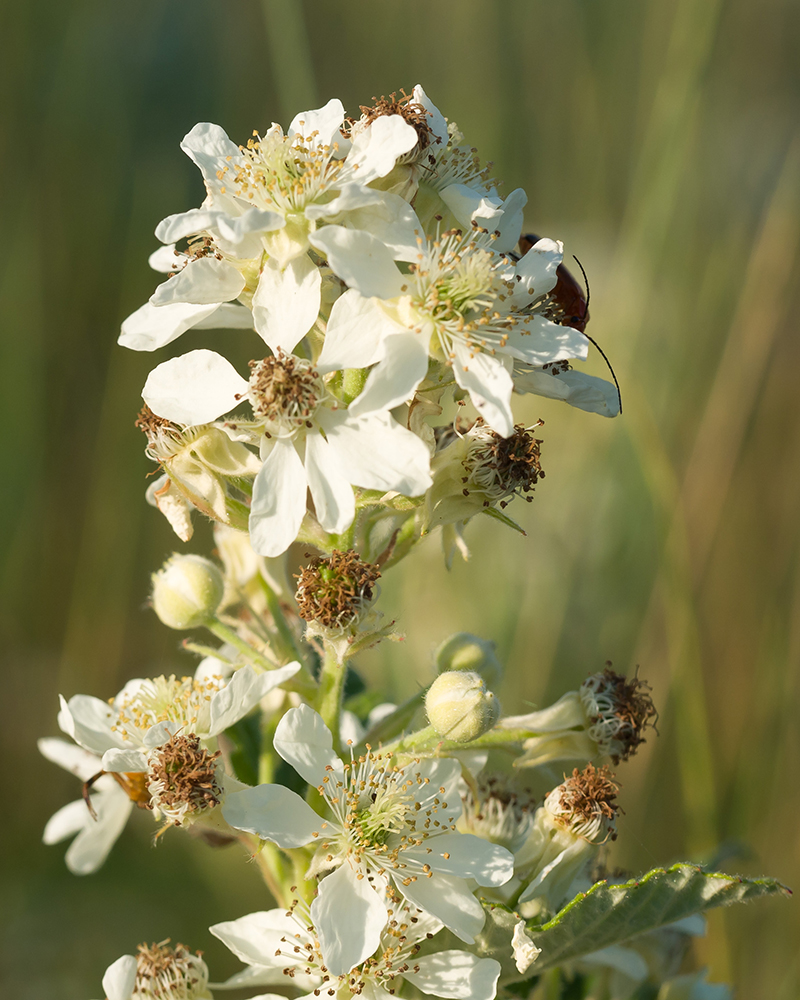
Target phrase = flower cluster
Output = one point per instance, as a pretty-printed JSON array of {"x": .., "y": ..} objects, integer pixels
[{"x": 394, "y": 309}]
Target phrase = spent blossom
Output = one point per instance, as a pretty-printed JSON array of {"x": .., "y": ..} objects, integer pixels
[{"x": 158, "y": 972}]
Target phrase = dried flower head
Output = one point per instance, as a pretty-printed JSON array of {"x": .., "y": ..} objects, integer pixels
[
  {"x": 619, "y": 711},
  {"x": 410, "y": 110},
  {"x": 335, "y": 590},
  {"x": 585, "y": 804},
  {"x": 503, "y": 467},
  {"x": 165, "y": 973},
  {"x": 285, "y": 392},
  {"x": 183, "y": 779}
]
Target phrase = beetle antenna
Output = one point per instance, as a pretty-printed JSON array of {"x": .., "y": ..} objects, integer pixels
[
  {"x": 593, "y": 341},
  {"x": 87, "y": 787}
]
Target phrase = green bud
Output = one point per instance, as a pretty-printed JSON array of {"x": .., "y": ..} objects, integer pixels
[
  {"x": 460, "y": 707},
  {"x": 464, "y": 651},
  {"x": 187, "y": 591}
]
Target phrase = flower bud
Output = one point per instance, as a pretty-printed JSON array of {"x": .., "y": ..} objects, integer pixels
[
  {"x": 460, "y": 707},
  {"x": 187, "y": 591},
  {"x": 464, "y": 651}
]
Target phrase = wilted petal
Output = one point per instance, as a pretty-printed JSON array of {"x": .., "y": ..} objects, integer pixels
[
  {"x": 305, "y": 742},
  {"x": 360, "y": 260},
  {"x": 120, "y": 978},
  {"x": 455, "y": 974},
  {"x": 273, "y": 812},
  {"x": 349, "y": 916},
  {"x": 243, "y": 692},
  {"x": 448, "y": 898},
  {"x": 286, "y": 302},
  {"x": 489, "y": 386},
  {"x": 377, "y": 453},
  {"x": 194, "y": 388},
  {"x": 334, "y": 502},
  {"x": 279, "y": 500}
]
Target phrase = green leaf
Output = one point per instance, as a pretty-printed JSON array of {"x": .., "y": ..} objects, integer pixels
[{"x": 610, "y": 914}]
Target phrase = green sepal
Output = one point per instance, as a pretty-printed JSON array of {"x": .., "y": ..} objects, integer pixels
[
  {"x": 498, "y": 515},
  {"x": 245, "y": 735}
]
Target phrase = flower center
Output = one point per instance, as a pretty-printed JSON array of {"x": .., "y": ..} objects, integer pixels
[
  {"x": 285, "y": 392},
  {"x": 497, "y": 814},
  {"x": 334, "y": 590},
  {"x": 183, "y": 779},
  {"x": 166, "y": 699},
  {"x": 503, "y": 467},
  {"x": 165, "y": 439},
  {"x": 164, "y": 973}
]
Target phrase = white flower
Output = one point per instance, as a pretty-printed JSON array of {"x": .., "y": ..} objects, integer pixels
[
  {"x": 390, "y": 833},
  {"x": 307, "y": 439},
  {"x": 464, "y": 304},
  {"x": 264, "y": 203},
  {"x": 277, "y": 945},
  {"x": 97, "y": 834},
  {"x": 158, "y": 972}
]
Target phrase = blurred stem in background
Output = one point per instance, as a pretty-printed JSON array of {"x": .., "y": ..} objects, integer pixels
[{"x": 291, "y": 63}]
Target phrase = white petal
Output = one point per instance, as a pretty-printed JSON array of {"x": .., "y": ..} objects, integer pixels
[
  {"x": 360, "y": 260},
  {"x": 586, "y": 392},
  {"x": 537, "y": 270},
  {"x": 124, "y": 761},
  {"x": 376, "y": 150},
  {"x": 509, "y": 226},
  {"x": 76, "y": 760},
  {"x": 160, "y": 733},
  {"x": 227, "y": 316},
  {"x": 436, "y": 120},
  {"x": 466, "y": 856},
  {"x": 448, "y": 898},
  {"x": 355, "y": 333},
  {"x": 403, "y": 366},
  {"x": 540, "y": 342},
  {"x": 209, "y": 147},
  {"x": 305, "y": 742},
  {"x": 377, "y": 453},
  {"x": 489, "y": 386},
  {"x": 467, "y": 203},
  {"x": 66, "y": 822},
  {"x": 88, "y": 721},
  {"x": 325, "y": 122},
  {"x": 182, "y": 224},
  {"x": 120, "y": 978},
  {"x": 254, "y": 939},
  {"x": 286, "y": 302},
  {"x": 194, "y": 388},
  {"x": 279, "y": 500},
  {"x": 349, "y": 916},
  {"x": 334, "y": 501},
  {"x": 245, "y": 689},
  {"x": 273, "y": 812},
  {"x": 166, "y": 259},
  {"x": 438, "y": 779},
  {"x": 236, "y": 228},
  {"x": 90, "y": 848},
  {"x": 151, "y": 327},
  {"x": 455, "y": 974},
  {"x": 203, "y": 281},
  {"x": 388, "y": 217}
]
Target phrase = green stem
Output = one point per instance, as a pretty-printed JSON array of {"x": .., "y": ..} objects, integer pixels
[
  {"x": 428, "y": 739},
  {"x": 395, "y": 723},
  {"x": 331, "y": 686},
  {"x": 301, "y": 682}
]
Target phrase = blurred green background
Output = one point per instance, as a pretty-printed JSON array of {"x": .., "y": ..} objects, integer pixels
[{"x": 660, "y": 140}]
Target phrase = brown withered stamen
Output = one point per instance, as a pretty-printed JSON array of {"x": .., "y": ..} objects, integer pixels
[
  {"x": 589, "y": 793},
  {"x": 163, "y": 971},
  {"x": 154, "y": 426},
  {"x": 282, "y": 387},
  {"x": 187, "y": 774},
  {"x": 405, "y": 106},
  {"x": 332, "y": 590},
  {"x": 506, "y": 467},
  {"x": 631, "y": 705}
]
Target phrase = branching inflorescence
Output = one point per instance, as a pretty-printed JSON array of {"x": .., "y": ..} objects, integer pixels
[{"x": 394, "y": 309}]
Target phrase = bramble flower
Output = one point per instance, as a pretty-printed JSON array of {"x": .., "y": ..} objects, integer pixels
[
  {"x": 278, "y": 945},
  {"x": 574, "y": 820},
  {"x": 158, "y": 972},
  {"x": 462, "y": 303},
  {"x": 203, "y": 470},
  {"x": 389, "y": 834},
  {"x": 606, "y": 717},
  {"x": 308, "y": 439}
]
